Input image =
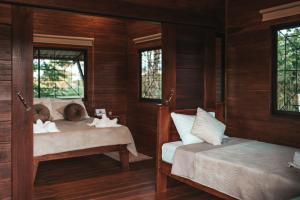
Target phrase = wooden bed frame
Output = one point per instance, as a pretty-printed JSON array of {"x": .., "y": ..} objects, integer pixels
[
  {"x": 121, "y": 148},
  {"x": 166, "y": 132}
]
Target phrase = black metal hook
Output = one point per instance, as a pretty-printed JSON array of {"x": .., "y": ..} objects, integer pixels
[{"x": 28, "y": 108}]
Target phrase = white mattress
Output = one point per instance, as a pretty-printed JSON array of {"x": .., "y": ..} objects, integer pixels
[{"x": 168, "y": 151}]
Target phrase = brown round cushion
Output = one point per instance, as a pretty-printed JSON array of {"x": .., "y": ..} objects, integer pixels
[
  {"x": 41, "y": 112},
  {"x": 74, "y": 112}
]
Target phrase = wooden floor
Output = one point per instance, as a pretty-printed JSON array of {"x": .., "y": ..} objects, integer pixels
[{"x": 99, "y": 177}]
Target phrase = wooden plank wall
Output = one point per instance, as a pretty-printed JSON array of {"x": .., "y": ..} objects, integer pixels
[
  {"x": 22, "y": 119},
  {"x": 195, "y": 64},
  {"x": 248, "y": 97},
  {"x": 189, "y": 67},
  {"x": 142, "y": 116},
  {"x": 5, "y": 101},
  {"x": 110, "y": 57},
  {"x": 220, "y": 70}
]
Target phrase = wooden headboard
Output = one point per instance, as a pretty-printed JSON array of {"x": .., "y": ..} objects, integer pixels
[{"x": 166, "y": 131}]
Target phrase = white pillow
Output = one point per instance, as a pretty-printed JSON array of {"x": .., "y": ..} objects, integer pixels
[
  {"x": 208, "y": 128},
  {"x": 184, "y": 124},
  {"x": 58, "y": 106}
]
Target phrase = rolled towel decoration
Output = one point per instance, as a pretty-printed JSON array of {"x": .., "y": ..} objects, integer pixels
[
  {"x": 296, "y": 160},
  {"x": 105, "y": 122},
  {"x": 47, "y": 127}
]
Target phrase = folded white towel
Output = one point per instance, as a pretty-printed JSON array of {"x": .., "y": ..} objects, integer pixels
[
  {"x": 296, "y": 160},
  {"x": 104, "y": 122},
  {"x": 47, "y": 127}
]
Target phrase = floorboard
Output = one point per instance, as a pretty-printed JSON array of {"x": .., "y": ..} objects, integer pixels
[{"x": 100, "y": 178}]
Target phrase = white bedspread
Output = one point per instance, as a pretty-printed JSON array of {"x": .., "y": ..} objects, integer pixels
[
  {"x": 244, "y": 169},
  {"x": 168, "y": 150},
  {"x": 77, "y": 136}
]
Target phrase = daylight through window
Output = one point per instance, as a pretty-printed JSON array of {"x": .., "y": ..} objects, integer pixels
[
  {"x": 288, "y": 70},
  {"x": 58, "y": 73},
  {"x": 151, "y": 74}
]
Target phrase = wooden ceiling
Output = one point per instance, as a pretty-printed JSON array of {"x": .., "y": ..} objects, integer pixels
[
  {"x": 211, "y": 8},
  {"x": 206, "y": 13},
  {"x": 214, "y": 7}
]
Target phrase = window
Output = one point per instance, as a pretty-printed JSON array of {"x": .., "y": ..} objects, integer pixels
[
  {"x": 58, "y": 73},
  {"x": 286, "y": 79},
  {"x": 151, "y": 75}
]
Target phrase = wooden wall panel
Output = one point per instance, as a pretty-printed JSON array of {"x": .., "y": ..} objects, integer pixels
[
  {"x": 169, "y": 62},
  {"x": 220, "y": 70},
  {"x": 195, "y": 67},
  {"x": 5, "y": 72},
  {"x": 188, "y": 66},
  {"x": 5, "y": 132},
  {"x": 22, "y": 118},
  {"x": 5, "y": 114},
  {"x": 5, "y": 50},
  {"x": 5, "y": 101},
  {"x": 142, "y": 116},
  {"x": 5, "y": 153},
  {"x": 213, "y": 7},
  {"x": 108, "y": 79},
  {"x": 5, "y": 14},
  {"x": 249, "y": 57},
  {"x": 5, "y": 191}
]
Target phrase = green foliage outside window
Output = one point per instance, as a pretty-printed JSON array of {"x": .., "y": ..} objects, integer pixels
[{"x": 58, "y": 77}]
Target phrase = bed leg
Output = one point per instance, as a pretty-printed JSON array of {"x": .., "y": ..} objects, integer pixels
[
  {"x": 161, "y": 182},
  {"x": 124, "y": 158},
  {"x": 35, "y": 168}
]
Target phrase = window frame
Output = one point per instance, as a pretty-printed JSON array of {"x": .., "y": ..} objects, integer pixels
[
  {"x": 71, "y": 47},
  {"x": 274, "y": 74},
  {"x": 140, "y": 75}
]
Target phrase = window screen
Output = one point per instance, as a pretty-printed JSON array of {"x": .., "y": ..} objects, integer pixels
[
  {"x": 151, "y": 74},
  {"x": 287, "y": 70},
  {"x": 58, "y": 73}
]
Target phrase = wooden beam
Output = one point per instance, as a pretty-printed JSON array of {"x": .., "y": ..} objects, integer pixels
[
  {"x": 169, "y": 62},
  {"x": 123, "y": 9},
  {"x": 276, "y": 12},
  {"x": 22, "y": 119}
]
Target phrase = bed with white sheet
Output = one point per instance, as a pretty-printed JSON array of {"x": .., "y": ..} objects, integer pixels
[
  {"x": 168, "y": 151},
  {"x": 59, "y": 138},
  {"x": 236, "y": 169},
  {"x": 241, "y": 168},
  {"x": 78, "y": 135}
]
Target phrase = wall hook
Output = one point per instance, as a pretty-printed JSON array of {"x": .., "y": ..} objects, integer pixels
[{"x": 21, "y": 98}]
